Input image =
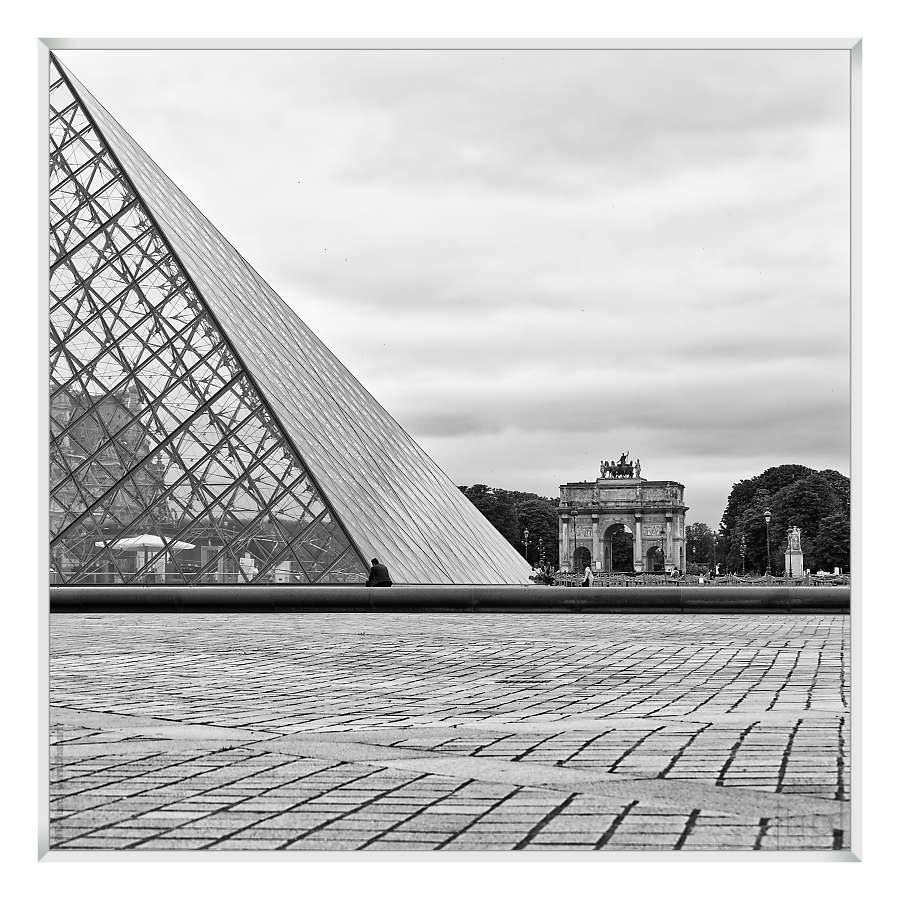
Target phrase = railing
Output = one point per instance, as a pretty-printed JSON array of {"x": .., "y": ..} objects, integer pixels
[{"x": 565, "y": 579}]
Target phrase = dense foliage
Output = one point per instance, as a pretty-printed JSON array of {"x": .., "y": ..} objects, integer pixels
[
  {"x": 699, "y": 549},
  {"x": 816, "y": 502},
  {"x": 511, "y": 512}
]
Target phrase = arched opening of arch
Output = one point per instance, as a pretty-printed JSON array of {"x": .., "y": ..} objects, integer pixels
[
  {"x": 618, "y": 542},
  {"x": 581, "y": 559}
]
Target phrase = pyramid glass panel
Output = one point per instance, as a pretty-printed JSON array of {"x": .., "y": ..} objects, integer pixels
[{"x": 200, "y": 432}]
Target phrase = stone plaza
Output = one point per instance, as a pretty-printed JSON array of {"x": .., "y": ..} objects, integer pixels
[{"x": 449, "y": 732}]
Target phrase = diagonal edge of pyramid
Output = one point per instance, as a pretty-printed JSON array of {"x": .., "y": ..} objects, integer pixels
[{"x": 392, "y": 498}]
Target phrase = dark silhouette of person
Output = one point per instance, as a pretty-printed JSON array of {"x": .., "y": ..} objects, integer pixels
[{"x": 378, "y": 575}]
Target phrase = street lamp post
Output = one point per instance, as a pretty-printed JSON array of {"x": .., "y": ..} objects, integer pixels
[
  {"x": 743, "y": 555},
  {"x": 541, "y": 550},
  {"x": 714, "y": 573},
  {"x": 526, "y": 545},
  {"x": 767, "y": 515},
  {"x": 790, "y": 555}
]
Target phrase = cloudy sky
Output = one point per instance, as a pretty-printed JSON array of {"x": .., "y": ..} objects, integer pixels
[{"x": 539, "y": 259}]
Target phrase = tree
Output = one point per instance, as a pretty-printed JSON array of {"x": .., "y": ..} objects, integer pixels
[
  {"x": 742, "y": 493},
  {"x": 698, "y": 538},
  {"x": 511, "y": 512},
  {"x": 496, "y": 507},
  {"x": 751, "y": 527},
  {"x": 841, "y": 486},
  {"x": 796, "y": 495},
  {"x": 831, "y": 546},
  {"x": 538, "y": 515},
  {"x": 804, "y": 503}
]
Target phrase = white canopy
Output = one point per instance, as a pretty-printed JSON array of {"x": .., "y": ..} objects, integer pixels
[{"x": 144, "y": 542}]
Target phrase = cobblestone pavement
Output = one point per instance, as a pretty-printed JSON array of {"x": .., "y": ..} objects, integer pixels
[{"x": 450, "y": 732}]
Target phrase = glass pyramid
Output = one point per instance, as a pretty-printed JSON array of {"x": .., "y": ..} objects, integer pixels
[{"x": 200, "y": 433}]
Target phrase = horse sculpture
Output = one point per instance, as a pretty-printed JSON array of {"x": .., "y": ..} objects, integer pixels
[{"x": 620, "y": 469}]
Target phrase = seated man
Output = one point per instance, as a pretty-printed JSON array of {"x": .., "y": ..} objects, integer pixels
[{"x": 378, "y": 575}]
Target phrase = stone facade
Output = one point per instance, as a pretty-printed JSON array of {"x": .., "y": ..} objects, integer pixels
[{"x": 652, "y": 510}]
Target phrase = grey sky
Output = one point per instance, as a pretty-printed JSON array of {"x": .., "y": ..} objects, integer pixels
[{"x": 538, "y": 259}]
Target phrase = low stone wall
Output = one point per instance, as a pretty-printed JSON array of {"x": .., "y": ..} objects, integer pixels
[{"x": 441, "y": 598}]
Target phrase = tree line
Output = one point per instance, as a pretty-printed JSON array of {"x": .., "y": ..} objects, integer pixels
[
  {"x": 511, "y": 512},
  {"x": 818, "y": 502}
]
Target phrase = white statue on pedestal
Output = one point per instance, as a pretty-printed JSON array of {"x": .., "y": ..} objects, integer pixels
[{"x": 793, "y": 554}]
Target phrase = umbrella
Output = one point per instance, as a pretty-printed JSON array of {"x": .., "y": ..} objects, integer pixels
[{"x": 144, "y": 542}]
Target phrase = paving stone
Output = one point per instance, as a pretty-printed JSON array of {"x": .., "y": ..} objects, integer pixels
[{"x": 324, "y": 732}]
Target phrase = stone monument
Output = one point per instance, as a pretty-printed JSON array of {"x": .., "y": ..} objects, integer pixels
[
  {"x": 619, "y": 498},
  {"x": 793, "y": 555}
]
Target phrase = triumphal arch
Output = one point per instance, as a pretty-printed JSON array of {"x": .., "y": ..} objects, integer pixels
[{"x": 619, "y": 499}]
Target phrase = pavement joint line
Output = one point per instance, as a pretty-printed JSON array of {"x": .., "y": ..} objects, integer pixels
[
  {"x": 592, "y": 739},
  {"x": 813, "y": 682},
  {"x": 732, "y": 755},
  {"x": 230, "y": 806},
  {"x": 413, "y": 815},
  {"x": 193, "y": 796},
  {"x": 148, "y": 725},
  {"x": 763, "y": 829},
  {"x": 491, "y": 743},
  {"x": 840, "y": 790},
  {"x": 481, "y": 816},
  {"x": 368, "y": 802},
  {"x": 634, "y": 747},
  {"x": 542, "y": 823},
  {"x": 785, "y": 757},
  {"x": 760, "y": 678},
  {"x": 674, "y": 760},
  {"x": 688, "y": 827},
  {"x": 784, "y": 684},
  {"x": 504, "y": 726},
  {"x": 721, "y": 668},
  {"x": 550, "y": 737},
  {"x": 171, "y": 765},
  {"x": 584, "y": 780},
  {"x": 616, "y": 822},
  {"x": 297, "y": 806}
]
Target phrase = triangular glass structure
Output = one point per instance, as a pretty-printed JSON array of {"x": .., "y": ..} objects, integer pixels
[{"x": 200, "y": 432}]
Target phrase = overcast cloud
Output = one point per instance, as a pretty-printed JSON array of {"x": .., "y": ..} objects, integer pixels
[{"x": 535, "y": 260}]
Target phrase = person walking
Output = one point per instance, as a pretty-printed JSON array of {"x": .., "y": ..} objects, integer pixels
[{"x": 378, "y": 575}]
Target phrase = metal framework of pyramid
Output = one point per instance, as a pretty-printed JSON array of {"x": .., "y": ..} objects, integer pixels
[{"x": 200, "y": 433}]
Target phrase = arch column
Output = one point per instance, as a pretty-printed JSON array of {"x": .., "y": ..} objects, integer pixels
[
  {"x": 564, "y": 542},
  {"x": 595, "y": 548},
  {"x": 638, "y": 545},
  {"x": 668, "y": 558},
  {"x": 573, "y": 542}
]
